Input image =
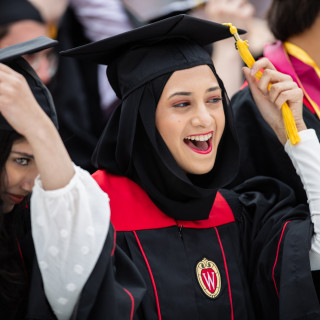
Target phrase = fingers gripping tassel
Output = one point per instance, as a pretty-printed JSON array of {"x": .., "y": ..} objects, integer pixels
[{"x": 289, "y": 123}]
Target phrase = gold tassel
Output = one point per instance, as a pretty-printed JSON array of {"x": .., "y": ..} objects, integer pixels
[{"x": 289, "y": 123}]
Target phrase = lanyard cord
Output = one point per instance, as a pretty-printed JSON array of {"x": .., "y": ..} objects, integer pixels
[{"x": 300, "y": 54}]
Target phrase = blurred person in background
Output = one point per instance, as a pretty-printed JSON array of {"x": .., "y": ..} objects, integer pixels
[
  {"x": 82, "y": 109},
  {"x": 92, "y": 99},
  {"x": 87, "y": 102},
  {"x": 261, "y": 7},
  {"x": 244, "y": 14},
  {"x": 19, "y": 22}
]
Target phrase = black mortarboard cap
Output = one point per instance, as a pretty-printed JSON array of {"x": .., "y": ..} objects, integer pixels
[
  {"x": 12, "y": 57},
  {"x": 17, "y": 10},
  {"x": 134, "y": 57}
]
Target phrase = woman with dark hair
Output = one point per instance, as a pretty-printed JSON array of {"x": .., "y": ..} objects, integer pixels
[
  {"x": 17, "y": 173},
  {"x": 296, "y": 25},
  {"x": 30, "y": 145}
]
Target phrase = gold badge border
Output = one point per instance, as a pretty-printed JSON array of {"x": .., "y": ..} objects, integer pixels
[{"x": 204, "y": 264}]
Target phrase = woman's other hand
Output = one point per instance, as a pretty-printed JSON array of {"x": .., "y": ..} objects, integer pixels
[{"x": 269, "y": 102}]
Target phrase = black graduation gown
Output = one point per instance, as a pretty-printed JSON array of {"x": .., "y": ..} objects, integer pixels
[
  {"x": 249, "y": 260},
  {"x": 260, "y": 151}
]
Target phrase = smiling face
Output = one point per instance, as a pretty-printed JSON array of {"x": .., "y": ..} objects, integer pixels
[
  {"x": 190, "y": 118},
  {"x": 20, "y": 172}
]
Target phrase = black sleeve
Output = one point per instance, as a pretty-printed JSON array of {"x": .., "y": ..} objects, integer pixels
[
  {"x": 113, "y": 291},
  {"x": 278, "y": 250}
]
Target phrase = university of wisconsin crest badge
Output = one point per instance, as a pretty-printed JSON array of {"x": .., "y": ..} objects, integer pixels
[{"x": 209, "y": 278}]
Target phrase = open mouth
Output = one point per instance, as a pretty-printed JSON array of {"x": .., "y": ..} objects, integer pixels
[{"x": 201, "y": 143}]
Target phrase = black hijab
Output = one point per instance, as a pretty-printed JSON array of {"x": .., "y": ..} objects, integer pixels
[{"x": 131, "y": 145}]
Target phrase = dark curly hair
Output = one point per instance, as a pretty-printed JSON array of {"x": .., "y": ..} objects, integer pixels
[{"x": 291, "y": 17}]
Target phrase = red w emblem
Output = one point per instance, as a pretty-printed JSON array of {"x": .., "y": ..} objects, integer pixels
[{"x": 209, "y": 277}]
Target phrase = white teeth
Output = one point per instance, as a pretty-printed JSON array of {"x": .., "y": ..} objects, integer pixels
[{"x": 202, "y": 137}]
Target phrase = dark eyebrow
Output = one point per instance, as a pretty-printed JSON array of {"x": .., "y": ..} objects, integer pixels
[
  {"x": 23, "y": 154},
  {"x": 182, "y": 93},
  {"x": 213, "y": 89}
]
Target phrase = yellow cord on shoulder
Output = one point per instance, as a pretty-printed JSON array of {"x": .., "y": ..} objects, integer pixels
[{"x": 289, "y": 123}]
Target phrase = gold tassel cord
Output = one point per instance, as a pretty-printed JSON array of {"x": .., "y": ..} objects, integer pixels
[{"x": 289, "y": 123}]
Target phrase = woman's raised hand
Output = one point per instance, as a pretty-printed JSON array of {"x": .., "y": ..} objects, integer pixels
[
  {"x": 18, "y": 105},
  {"x": 269, "y": 102}
]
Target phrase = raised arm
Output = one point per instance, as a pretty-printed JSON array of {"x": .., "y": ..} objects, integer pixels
[
  {"x": 69, "y": 212},
  {"x": 305, "y": 155}
]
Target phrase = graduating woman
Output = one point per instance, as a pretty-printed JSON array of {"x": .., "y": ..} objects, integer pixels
[
  {"x": 17, "y": 173},
  {"x": 30, "y": 144},
  {"x": 184, "y": 247},
  {"x": 164, "y": 158}
]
